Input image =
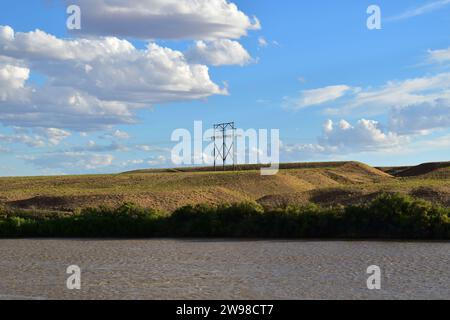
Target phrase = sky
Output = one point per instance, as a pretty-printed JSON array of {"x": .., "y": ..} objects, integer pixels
[{"x": 107, "y": 98}]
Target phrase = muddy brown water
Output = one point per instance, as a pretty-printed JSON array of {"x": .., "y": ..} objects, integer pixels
[{"x": 196, "y": 269}]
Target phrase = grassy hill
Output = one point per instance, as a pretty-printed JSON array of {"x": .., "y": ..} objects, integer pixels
[
  {"x": 298, "y": 183},
  {"x": 428, "y": 170},
  {"x": 425, "y": 170}
]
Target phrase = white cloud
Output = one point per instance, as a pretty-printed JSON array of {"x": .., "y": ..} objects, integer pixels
[
  {"x": 54, "y": 135},
  {"x": 218, "y": 53},
  {"x": 262, "y": 42},
  {"x": 70, "y": 161},
  {"x": 129, "y": 163},
  {"x": 165, "y": 19},
  {"x": 418, "y": 11},
  {"x": 437, "y": 143},
  {"x": 371, "y": 101},
  {"x": 29, "y": 140},
  {"x": 439, "y": 56},
  {"x": 415, "y": 105},
  {"x": 364, "y": 135},
  {"x": 157, "y": 161},
  {"x": 375, "y": 101},
  {"x": 37, "y": 138},
  {"x": 121, "y": 135},
  {"x": 92, "y": 83},
  {"x": 116, "y": 135},
  {"x": 149, "y": 148},
  {"x": 310, "y": 148},
  {"x": 421, "y": 117},
  {"x": 12, "y": 77},
  {"x": 345, "y": 138},
  {"x": 92, "y": 146},
  {"x": 320, "y": 96},
  {"x": 144, "y": 147}
]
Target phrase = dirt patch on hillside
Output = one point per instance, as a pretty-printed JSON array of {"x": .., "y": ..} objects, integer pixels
[
  {"x": 165, "y": 201},
  {"x": 435, "y": 195},
  {"x": 345, "y": 197},
  {"x": 330, "y": 197},
  {"x": 325, "y": 197}
]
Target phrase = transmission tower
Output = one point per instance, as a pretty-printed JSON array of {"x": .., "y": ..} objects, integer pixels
[{"x": 223, "y": 150}]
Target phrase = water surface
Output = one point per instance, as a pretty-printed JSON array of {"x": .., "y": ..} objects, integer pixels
[{"x": 174, "y": 269}]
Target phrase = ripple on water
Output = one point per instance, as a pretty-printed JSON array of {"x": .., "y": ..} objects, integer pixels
[{"x": 170, "y": 269}]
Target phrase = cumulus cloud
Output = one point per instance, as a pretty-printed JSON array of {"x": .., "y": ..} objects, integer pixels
[
  {"x": 415, "y": 106},
  {"x": 29, "y": 140},
  {"x": 12, "y": 77},
  {"x": 54, "y": 135},
  {"x": 421, "y": 117},
  {"x": 364, "y": 135},
  {"x": 344, "y": 138},
  {"x": 37, "y": 138},
  {"x": 164, "y": 19},
  {"x": 99, "y": 80},
  {"x": 218, "y": 53},
  {"x": 91, "y": 83}
]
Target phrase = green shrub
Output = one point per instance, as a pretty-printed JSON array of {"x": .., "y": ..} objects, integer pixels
[
  {"x": 397, "y": 216},
  {"x": 387, "y": 216}
]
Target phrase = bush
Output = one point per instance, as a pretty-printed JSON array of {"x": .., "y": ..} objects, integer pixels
[
  {"x": 191, "y": 221},
  {"x": 398, "y": 216},
  {"x": 387, "y": 216}
]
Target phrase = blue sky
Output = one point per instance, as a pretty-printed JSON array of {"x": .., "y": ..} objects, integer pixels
[{"x": 334, "y": 88}]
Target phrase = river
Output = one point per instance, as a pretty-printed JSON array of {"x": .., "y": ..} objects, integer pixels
[{"x": 220, "y": 269}]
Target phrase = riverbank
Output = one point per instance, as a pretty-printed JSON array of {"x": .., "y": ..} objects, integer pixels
[{"x": 389, "y": 216}]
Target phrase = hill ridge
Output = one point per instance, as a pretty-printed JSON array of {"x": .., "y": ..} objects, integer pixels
[
  {"x": 424, "y": 169},
  {"x": 324, "y": 183}
]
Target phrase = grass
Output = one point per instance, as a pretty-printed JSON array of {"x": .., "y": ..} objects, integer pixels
[
  {"x": 168, "y": 191},
  {"x": 325, "y": 184},
  {"x": 388, "y": 216}
]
